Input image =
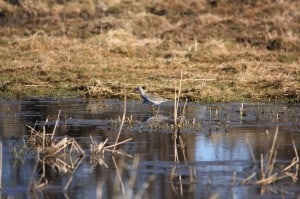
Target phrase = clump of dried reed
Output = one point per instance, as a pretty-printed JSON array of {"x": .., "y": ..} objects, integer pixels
[
  {"x": 48, "y": 164},
  {"x": 65, "y": 154},
  {"x": 62, "y": 155},
  {"x": 268, "y": 172},
  {"x": 46, "y": 144},
  {"x": 97, "y": 150}
]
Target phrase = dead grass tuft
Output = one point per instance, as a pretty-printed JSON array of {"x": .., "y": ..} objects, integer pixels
[
  {"x": 96, "y": 88},
  {"x": 47, "y": 145},
  {"x": 6, "y": 8}
]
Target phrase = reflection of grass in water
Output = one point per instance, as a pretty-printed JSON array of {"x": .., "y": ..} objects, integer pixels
[
  {"x": 127, "y": 189},
  {"x": 269, "y": 174},
  {"x": 18, "y": 151},
  {"x": 121, "y": 189},
  {"x": 179, "y": 146},
  {"x": 65, "y": 154}
]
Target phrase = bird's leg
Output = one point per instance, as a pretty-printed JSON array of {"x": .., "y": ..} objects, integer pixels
[
  {"x": 153, "y": 108},
  {"x": 157, "y": 111}
]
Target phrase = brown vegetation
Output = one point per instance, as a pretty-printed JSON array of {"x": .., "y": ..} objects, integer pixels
[{"x": 228, "y": 50}]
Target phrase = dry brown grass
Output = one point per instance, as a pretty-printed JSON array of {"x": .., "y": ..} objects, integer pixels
[{"x": 232, "y": 51}]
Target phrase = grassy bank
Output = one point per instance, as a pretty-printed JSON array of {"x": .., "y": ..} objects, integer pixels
[{"x": 228, "y": 50}]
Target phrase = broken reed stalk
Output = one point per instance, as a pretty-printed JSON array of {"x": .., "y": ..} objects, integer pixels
[
  {"x": 72, "y": 176},
  {"x": 262, "y": 166},
  {"x": 96, "y": 148},
  {"x": 175, "y": 126},
  {"x": 31, "y": 182},
  {"x": 272, "y": 154},
  {"x": 246, "y": 180},
  {"x": 175, "y": 136},
  {"x": 133, "y": 176},
  {"x": 251, "y": 150},
  {"x": 181, "y": 185},
  {"x": 56, "y": 124},
  {"x": 64, "y": 143},
  {"x": 1, "y": 147},
  {"x": 297, "y": 158},
  {"x": 177, "y": 98},
  {"x": 295, "y": 149},
  {"x": 175, "y": 130},
  {"x": 178, "y": 141},
  {"x": 233, "y": 178},
  {"x": 293, "y": 163},
  {"x": 178, "y": 125},
  {"x": 44, "y": 134},
  {"x": 145, "y": 185},
  {"x": 175, "y": 107},
  {"x": 182, "y": 147},
  {"x": 121, "y": 125},
  {"x": 182, "y": 116},
  {"x": 273, "y": 162},
  {"x": 118, "y": 176},
  {"x": 179, "y": 90},
  {"x": 116, "y": 144}
]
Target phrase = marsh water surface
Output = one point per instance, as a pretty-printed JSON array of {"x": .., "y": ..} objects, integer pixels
[{"x": 217, "y": 139}]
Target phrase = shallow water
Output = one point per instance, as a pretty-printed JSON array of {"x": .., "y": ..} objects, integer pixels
[{"x": 216, "y": 138}]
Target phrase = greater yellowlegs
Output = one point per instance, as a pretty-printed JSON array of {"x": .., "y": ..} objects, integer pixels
[{"x": 150, "y": 99}]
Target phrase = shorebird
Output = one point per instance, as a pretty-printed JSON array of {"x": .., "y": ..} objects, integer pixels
[{"x": 150, "y": 99}]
